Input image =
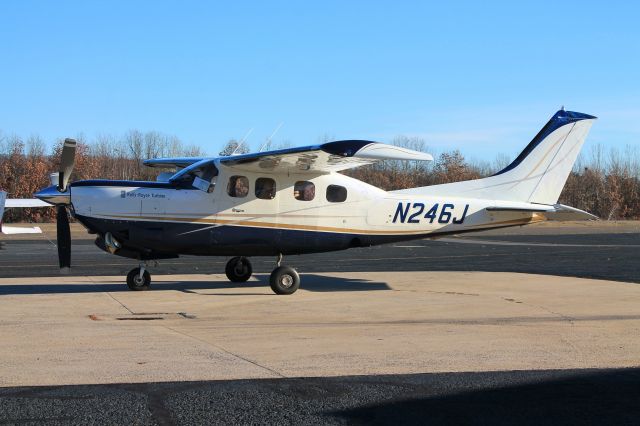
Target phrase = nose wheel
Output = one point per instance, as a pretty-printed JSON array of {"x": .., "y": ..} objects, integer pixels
[{"x": 139, "y": 279}]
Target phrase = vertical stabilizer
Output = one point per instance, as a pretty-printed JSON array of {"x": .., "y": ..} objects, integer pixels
[{"x": 538, "y": 174}]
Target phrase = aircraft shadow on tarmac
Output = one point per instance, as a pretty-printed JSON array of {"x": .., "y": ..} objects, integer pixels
[
  {"x": 310, "y": 282},
  {"x": 571, "y": 397},
  {"x": 609, "y": 396}
]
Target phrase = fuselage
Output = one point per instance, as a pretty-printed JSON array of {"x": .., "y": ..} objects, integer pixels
[{"x": 157, "y": 219}]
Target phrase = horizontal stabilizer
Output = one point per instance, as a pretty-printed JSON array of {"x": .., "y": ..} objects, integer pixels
[
  {"x": 541, "y": 209},
  {"x": 558, "y": 212},
  {"x": 563, "y": 212}
]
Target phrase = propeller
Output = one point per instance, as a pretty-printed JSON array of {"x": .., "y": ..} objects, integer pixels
[
  {"x": 59, "y": 196},
  {"x": 67, "y": 161},
  {"x": 63, "y": 237}
]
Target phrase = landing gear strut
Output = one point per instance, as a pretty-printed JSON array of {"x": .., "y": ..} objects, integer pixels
[
  {"x": 238, "y": 269},
  {"x": 139, "y": 279},
  {"x": 284, "y": 279}
]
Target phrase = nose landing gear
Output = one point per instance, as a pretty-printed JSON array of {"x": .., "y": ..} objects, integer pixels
[{"x": 139, "y": 279}]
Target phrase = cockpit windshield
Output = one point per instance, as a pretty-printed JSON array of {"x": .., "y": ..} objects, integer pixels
[{"x": 199, "y": 175}]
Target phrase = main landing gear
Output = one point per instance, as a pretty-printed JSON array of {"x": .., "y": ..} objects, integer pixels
[
  {"x": 238, "y": 269},
  {"x": 283, "y": 279}
]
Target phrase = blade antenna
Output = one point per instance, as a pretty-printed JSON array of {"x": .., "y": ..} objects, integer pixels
[
  {"x": 268, "y": 142},
  {"x": 241, "y": 142}
]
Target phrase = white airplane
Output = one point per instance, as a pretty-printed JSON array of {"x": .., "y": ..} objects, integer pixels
[
  {"x": 18, "y": 203},
  {"x": 293, "y": 201}
]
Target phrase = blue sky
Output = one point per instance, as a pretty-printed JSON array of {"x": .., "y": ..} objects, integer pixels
[{"x": 479, "y": 76}]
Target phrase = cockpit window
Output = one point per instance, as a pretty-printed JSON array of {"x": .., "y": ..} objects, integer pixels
[
  {"x": 336, "y": 193},
  {"x": 200, "y": 175},
  {"x": 238, "y": 186},
  {"x": 304, "y": 190},
  {"x": 265, "y": 188}
]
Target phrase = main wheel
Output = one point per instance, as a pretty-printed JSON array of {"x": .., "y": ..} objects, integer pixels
[
  {"x": 238, "y": 269},
  {"x": 284, "y": 280},
  {"x": 137, "y": 283}
]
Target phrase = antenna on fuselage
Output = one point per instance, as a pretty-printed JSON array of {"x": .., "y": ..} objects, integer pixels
[
  {"x": 241, "y": 142},
  {"x": 268, "y": 142}
]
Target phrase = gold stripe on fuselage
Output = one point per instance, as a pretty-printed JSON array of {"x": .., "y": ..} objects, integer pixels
[{"x": 514, "y": 222}]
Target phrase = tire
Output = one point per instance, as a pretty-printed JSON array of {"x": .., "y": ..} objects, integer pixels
[
  {"x": 135, "y": 283},
  {"x": 284, "y": 280},
  {"x": 238, "y": 269}
]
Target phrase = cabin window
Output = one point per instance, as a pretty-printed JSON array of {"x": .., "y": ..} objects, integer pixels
[
  {"x": 336, "y": 193},
  {"x": 304, "y": 190},
  {"x": 238, "y": 186},
  {"x": 265, "y": 188}
]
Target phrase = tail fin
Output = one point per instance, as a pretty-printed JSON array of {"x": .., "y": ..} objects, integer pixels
[{"x": 538, "y": 174}]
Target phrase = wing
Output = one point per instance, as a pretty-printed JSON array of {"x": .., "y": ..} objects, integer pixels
[
  {"x": 18, "y": 203},
  {"x": 171, "y": 163},
  {"x": 324, "y": 158},
  {"x": 25, "y": 202},
  {"x": 13, "y": 230}
]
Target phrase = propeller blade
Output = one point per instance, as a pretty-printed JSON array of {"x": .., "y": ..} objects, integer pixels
[
  {"x": 67, "y": 161},
  {"x": 64, "y": 237}
]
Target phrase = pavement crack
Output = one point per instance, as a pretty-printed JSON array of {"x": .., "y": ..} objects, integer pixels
[
  {"x": 264, "y": 367},
  {"x": 558, "y": 314},
  {"x": 90, "y": 278},
  {"x": 120, "y": 303}
]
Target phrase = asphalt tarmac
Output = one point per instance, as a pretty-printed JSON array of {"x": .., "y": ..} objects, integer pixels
[
  {"x": 502, "y": 396},
  {"x": 569, "y": 397}
]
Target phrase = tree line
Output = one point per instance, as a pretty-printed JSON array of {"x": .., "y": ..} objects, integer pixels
[{"x": 603, "y": 182}]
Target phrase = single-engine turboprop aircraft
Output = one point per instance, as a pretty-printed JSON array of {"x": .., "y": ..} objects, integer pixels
[{"x": 293, "y": 201}]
